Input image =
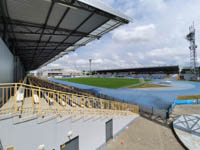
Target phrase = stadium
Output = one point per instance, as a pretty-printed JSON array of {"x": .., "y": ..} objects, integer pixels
[{"x": 105, "y": 109}]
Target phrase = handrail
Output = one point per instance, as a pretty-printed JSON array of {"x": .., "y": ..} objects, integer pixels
[
  {"x": 53, "y": 100},
  {"x": 31, "y": 86}
]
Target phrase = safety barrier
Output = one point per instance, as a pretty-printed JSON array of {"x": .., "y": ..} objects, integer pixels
[
  {"x": 23, "y": 98},
  {"x": 153, "y": 111},
  {"x": 187, "y": 101}
]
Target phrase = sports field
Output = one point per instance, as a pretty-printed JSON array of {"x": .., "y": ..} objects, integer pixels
[{"x": 104, "y": 82}]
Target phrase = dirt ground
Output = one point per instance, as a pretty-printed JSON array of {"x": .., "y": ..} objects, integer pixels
[{"x": 144, "y": 134}]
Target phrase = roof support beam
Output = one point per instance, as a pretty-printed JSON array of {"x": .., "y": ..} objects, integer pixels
[
  {"x": 52, "y": 34},
  {"x": 51, "y": 56},
  {"x": 77, "y": 28},
  {"x": 35, "y": 41},
  {"x": 4, "y": 32},
  {"x": 85, "y": 7},
  {"x": 52, "y": 46},
  {"x": 5, "y": 13},
  {"x": 60, "y": 21},
  {"x": 54, "y": 30},
  {"x": 44, "y": 26},
  {"x": 3, "y": 22}
]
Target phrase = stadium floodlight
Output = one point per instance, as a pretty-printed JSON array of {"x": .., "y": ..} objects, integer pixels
[
  {"x": 62, "y": 4},
  {"x": 193, "y": 54},
  {"x": 90, "y": 63}
]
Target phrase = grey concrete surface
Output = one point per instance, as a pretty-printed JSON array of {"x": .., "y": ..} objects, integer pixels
[
  {"x": 6, "y": 64},
  {"x": 145, "y": 135},
  {"x": 29, "y": 135},
  {"x": 187, "y": 128}
]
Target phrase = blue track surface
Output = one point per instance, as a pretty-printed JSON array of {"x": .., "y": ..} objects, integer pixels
[{"x": 159, "y": 98}]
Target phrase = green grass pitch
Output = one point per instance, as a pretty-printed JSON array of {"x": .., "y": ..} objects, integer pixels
[{"x": 104, "y": 82}]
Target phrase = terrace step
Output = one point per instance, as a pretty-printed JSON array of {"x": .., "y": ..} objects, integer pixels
[
  {"x": 45, "y": 118},
  {"x": 7, "y": 116},
  {"x": 24, "y": 118},
  {"x": 63, "y": 118}
]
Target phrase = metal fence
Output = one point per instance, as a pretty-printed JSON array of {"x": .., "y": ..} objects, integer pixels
[{"x": 164, "y": 114}]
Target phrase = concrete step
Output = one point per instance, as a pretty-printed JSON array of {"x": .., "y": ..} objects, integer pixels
[
  {"x": 46, "y": 117},
  {"x": 62, "y": 118},
  {"x": 24, "y": 118},
  {"x": 77, "y": 117},
  {"x": 88, "y": 117},
  {"x": 7, "y": 116}
]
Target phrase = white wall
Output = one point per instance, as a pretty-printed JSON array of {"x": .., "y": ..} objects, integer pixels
[
  {"x": 11, "y": 68},
  {"x": 6, "y": 64},
  {"x": 29, "y": 135}
]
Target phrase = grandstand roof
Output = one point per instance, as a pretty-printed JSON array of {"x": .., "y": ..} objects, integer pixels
[
  {"x": 165, "y": 69},
  {"x": 41, "y": 31}
]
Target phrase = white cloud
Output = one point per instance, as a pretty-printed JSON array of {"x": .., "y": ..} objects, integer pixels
[
  {"x": 53, "y": 65},
  {"x": 168, "y": 52},
  {"x": 135, "y": 34},
  {"x": 98, "y": 61},
  {"x": 156, "y": 62}
]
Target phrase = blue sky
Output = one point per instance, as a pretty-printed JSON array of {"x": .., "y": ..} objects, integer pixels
[{"x": 154, "y": 38}]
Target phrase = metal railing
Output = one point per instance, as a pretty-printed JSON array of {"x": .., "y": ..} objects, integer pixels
[{"x": 23, "y": 98}]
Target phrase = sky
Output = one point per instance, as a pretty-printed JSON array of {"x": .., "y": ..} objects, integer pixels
[{"x": 156, "y": 37}]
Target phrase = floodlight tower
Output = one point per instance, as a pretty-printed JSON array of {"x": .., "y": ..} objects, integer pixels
[
  {"x": 90, "y": 62},
  {"x": 193, "y": 55}
]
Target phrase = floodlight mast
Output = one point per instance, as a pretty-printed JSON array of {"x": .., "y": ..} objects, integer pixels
[
  {"x": 90, "y": 62},
  {"x": 193, "y": 55}
]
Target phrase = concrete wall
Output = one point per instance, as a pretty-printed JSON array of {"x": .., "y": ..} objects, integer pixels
[
  {"x": 6, "y": 64},
  {"x": 29, "y": 135},
  {"x": 19, "y": 70},
  {"x": 189, "y": 76},
  {"x": 11, "y": 69}
]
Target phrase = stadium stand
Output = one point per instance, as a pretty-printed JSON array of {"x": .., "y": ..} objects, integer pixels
[
  {"x": 42, "y": 101},
  {"x": 161, "y": 72}
]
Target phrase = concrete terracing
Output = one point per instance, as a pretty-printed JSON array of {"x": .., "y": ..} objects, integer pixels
[
  {"x": 52, "y": 130},
  {"x": 34, "y": 119}
]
